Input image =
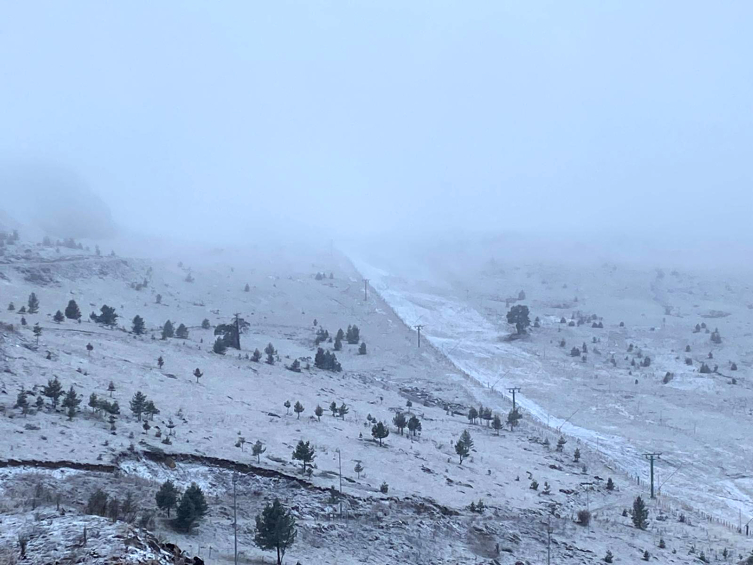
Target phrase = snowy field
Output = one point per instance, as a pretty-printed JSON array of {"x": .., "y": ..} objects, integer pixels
[
  {"x": 699, "y": 422},
  {"x": 425, "y": 516}
]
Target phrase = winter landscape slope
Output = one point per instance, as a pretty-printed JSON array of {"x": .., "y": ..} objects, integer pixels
[{"x": 51, "y": 463}]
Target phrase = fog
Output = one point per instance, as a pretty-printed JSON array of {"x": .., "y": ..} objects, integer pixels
[{"x": 222, "y": 121}]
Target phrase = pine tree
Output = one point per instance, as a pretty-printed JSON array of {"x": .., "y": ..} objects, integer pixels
[
  {"x": 561, "y": 443},
  {"x": 287, "y": 406},
  {"x": 72, "y": 311},
  {"x": 640, "y": 514},
  {"x": 275, "y": 529},
  {"x": 343, "y": 410},
  {"x": 138, "y": 403},
  {"x": 160, "y": 361},
  {"x": 333, "y": 408},
  {"x": 338, "y": 344},
  {"x": 608, "y": 557},
  {"x": 168, "y": 330},
  {"x": 53, "y": 390},
  {"x": 89, "y": 348},
  {"x": 58, "y": 317},
  {"x": 205, "y": 325},
  {"x": 513, "y": 417},
  {"x": 270, "y": 351},
  {"x": 246, "y": 288},
  {"x": 298, "y": 409},
  {"x": 22, "y": 402},
  {"x": 108, "y": 317},
  {"x": 518, "y": 316},
  {"x": 185, "y": 515},
  {"x": 379, "y": 431},
  {"x": 610, "y": 484},
  {"x": 181, "y": 332},
  {"x": 257, "y": 450},
  {"x": 353, "y": 335},
  {"x": 256, "y": 356},
  {"x": 167, "y": 497},
  {"x": 71, "y": 402},
  {"x": 138, "y": 325},
  {"x": 198, "y": 374},
  {"x": 497, "y": 423},
  {"x": 111, "y": 388},
  {"x": 318, "y": 411},
  {"x": 358, "y": 469},
  {"x": 33, "y": 303},
  {"x": 304, "y": 453},
  {"x": 150, "y": 409},
  {"x": 37, "y": 331},
  {"x": 362, "y": 348},
  {"x": 464, "y": 445},
  {"x": 219, "y": 346},
  {"x": 472, "y": 414},
  {"x": 414, "y": 425},
  {"x": 576, "y": 455},
  {"x": 400, "y": 422},
  {"x": 11, "y": 307}
]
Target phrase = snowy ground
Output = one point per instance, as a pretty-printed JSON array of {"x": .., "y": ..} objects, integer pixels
[
  {"x": 698, "y": 421},
  {"x": 238, "y": 398}
]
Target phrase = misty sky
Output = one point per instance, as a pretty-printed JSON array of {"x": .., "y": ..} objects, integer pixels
[{"x": 373, "y": 116}]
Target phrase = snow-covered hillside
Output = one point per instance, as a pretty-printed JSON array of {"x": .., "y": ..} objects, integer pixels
[{"x": 211, "y": 422}]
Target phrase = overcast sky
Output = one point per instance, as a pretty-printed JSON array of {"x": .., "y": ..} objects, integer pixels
[{"x": 360, "y": 117}]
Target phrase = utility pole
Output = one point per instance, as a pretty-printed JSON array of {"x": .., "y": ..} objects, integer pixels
[
  {"x": 513, "y": 390},
  {"x": 549, "y": 540},
  {"x": 418, "y": 327},
  {"x": 340, "y": 467},
  {"x": 365, "y": 289},
  {"x": 651, "y": 457},
  {"x": 237, "y": 332},
  {"x": 235, "y": 521}
]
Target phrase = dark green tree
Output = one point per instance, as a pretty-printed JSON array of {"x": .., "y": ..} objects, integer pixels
[
  {"x": 53, "y": 390},
  {"x": 304, "y": 452},
  {"x": 107, "y": 317},
  {"x": 58, "y": 317},
  {"x": 71, "y": 402},
  {"x": 275, "y": 529},
  {"x": 72, "y": 311},
  {"x": 513, "y": 417},
  {"x": 138, "y": 325},
  {"x": 640, "y": 514},
  {"x": 298, "y": 409},
  {"x": 168, "y": 330},
  {"x": 219, "y": 346},
  {"x": 518, "y": 317},
  {"x": 181, "y": 332},
  {"x": 37, "y": 331},
  {"x": 464, "y": 445},
  {"x": 33, "y": 303},
  {"x": 256, "y": 356},
  {"x": 497, "y": 423},
  {"x": 400, "y": 422},
  {"x": 257, "y": 449},
  {"x": 205, "y": 325},
  {"x": 318, "y": 411},
  {"x": 379, "y": 431},
  {"x": 167, "y": 497},
  {"x": 22, "y": 402},
  {"x": 353, "y": 335},
  {"x": 414, "y": 425},
  {"x": 138, "y": 404}
]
